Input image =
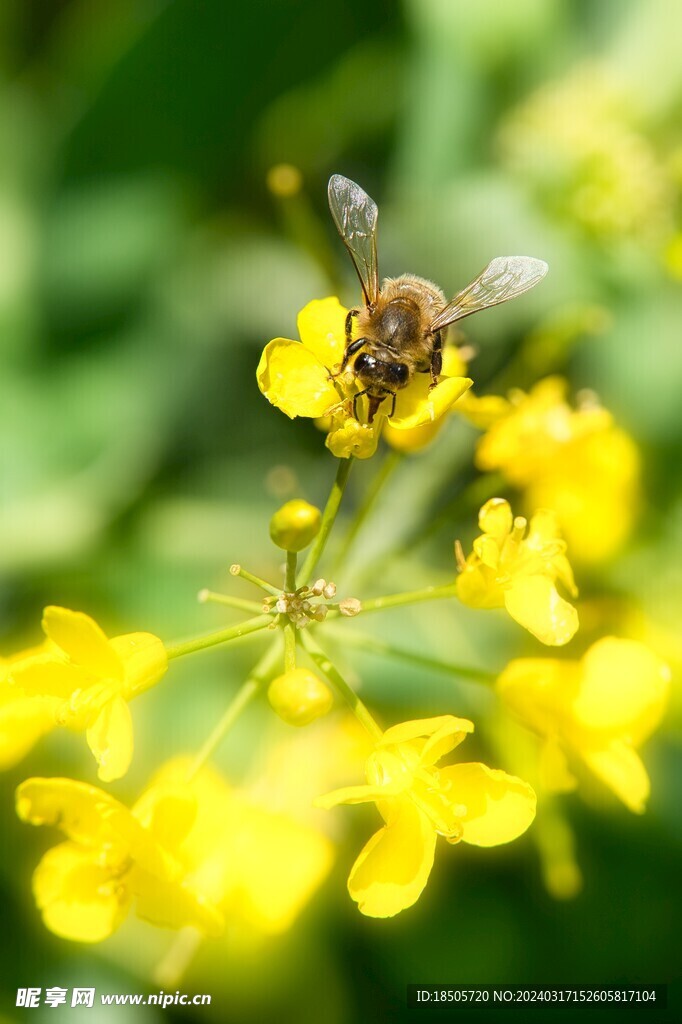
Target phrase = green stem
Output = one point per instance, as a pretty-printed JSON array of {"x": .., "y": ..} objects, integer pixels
[
  {"x": 246, "y": 692},
  {"x": 350, "y": 696},
  {"x": 367, "y": 643},
  {"x": 386, "y": 469},
  {"x": 200, "y": 643},
  {"x": 237, "y": 570},
  {"x": 205, "y": 596},
  {"x": 289, "y": 628},
  {"x": 290, "y": 578},
  {"x": 328, "y": 517},
  {"x": 289, "y": 646},
  {"x": 377, "y": 604}
]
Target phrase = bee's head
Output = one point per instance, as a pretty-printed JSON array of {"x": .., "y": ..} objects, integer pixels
[{"x": 371, "y": 371}]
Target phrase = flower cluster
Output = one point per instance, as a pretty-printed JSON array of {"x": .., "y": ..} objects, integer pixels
[
  {"x": 187, "y": 854},
  {"x": 517, "y": 566},
  {"x": 575, "y": 461},
  {"x": 111, "y": 859},
  {"x": 599, "y": 709},
  {"x": 196, "y": 851}
]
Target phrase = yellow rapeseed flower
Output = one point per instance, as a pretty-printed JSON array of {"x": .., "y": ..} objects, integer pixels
[
  {"x": 259, "y": 867},
  {"x": 574, "y": 461},
  {"x": 599, "y": 709},
  {"x": 111, "y": 859},
  {"x": 518, "y": 570},
  {"x": 91, "y": 679},
  {"x": 23, "y": 719},
  {"x": 295, "y": 376},
  {"x": 419, "y": 802}
]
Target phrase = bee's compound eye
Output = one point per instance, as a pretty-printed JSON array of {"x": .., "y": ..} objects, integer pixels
[
  {"x": 364, "y": 362},
  {"x": 399, "y": 373}
]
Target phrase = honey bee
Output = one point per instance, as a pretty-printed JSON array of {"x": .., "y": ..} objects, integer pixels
[{"x": 402, "y": 326}]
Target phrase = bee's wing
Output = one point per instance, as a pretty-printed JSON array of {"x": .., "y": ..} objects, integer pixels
[
  {"x": 355, "y": 216},
  {"x": 504, "y": 278}
]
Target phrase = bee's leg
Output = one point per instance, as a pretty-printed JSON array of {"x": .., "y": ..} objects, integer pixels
[
  {"x": 351, "y": 349},
  {"x": 392, "y": 412},
  {"x": 436, "y": 359},
  {"x": 349, "y": 324},
  {"x": 355, "y": 403}
]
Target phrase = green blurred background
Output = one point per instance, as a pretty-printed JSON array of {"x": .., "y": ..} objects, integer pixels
[{"x": 143, "y": 264}]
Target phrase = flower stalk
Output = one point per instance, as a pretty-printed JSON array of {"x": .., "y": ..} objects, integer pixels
[
  {"x": 257, "y": 679},
  {"x": 378, "y": 604},
  {"x": 390, "y": 463},
  {"x": 328, "y": 518},
  {"x": 328, "y": 668},
  {"x": 379, "y": 647},
  {"x": 222, "y": 636},
  {"x": 237, "y": 570},
  {"x": 210, "y": 596}
]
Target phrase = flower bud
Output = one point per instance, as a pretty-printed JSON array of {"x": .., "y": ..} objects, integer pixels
[
  {"x": 294, "y": 525},
  {"x": 299, "y": 697},
  {"x": 350, "y": 607}
]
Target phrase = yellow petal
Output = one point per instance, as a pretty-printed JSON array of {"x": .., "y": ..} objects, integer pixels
[
  {"x": 495, "y": 517},
  {"x": 394, "y": 866},
  {"x": 543, "y": 528},
  {"x": 294, "y": 380},
  {"x": 276, "y": 865},
  {"x": 621, "y": 769},
  {"x": 417, "y": 403},
  {"x": 110, "y": 738},
  {"x": 534, "y": 602},
  {"x": 416, "y": 438},
  {"x": 499, "y": 807},
  {"x": 539, "y": 690},
  {"x": 482, "y": 413},
  {"x": 477, "y": 590},
  {"x": 564, "y": 573},
  {"x": 46, "y": 675},
  {"x": 79, "y": 898},
  {"x": 441, "y": 725},
  {"x": 357, "y": 795},
  {"x": 23, "y": 720},
  {"x": 411, "y": 440},
  {"x": 144, "y": 660},
  {"x": 84, "y": 813},
  {"x": 322, "y": 329},
  {"x": 353, "y": 438},
  {"x": 487, "y": 548},
  {"x": 170, "y": 904},
  {"x": 83, "y": 641},
  {"x": 624, "y": 689},
  {"x": 168, "y": 811},
  {"x": 90, "y": 817},
  {"x": 453, "y": 364},
  {"x": 8, "y": 664},
  {"x": 449, "y": 736},
  {"x": 553, "y": 768}
]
